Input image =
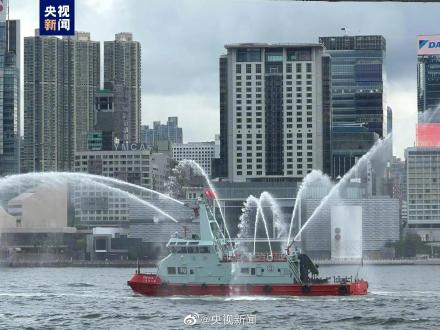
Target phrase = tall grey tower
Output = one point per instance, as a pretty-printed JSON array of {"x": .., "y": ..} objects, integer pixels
[
  {"x": 357, "y": 73},
  {"x": 60, "y": 81},
  {"x": 122, "y": 70},
  {"x": 275, "y": 111},
  {"x": 10, "y": 97}
]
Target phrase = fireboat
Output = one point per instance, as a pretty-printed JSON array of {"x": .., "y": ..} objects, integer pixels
[{"x": 210, "y": 264}]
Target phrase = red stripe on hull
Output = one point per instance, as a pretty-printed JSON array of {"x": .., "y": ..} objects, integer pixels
[{"x": 140, "y": 285}]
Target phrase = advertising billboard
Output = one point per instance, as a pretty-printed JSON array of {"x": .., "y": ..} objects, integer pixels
[
  {"x": 346, "y": 232},
  {"x": 428, "y": 135},
  {"x": 428, "y": 45}
]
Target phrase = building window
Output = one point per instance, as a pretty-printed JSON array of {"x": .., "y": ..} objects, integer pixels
[
  {"x": 238, "y": 68},
  {"x": 248, "y": 68}
]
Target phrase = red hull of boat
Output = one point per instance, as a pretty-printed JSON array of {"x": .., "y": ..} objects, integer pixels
[{"x": 151, "y": 286}]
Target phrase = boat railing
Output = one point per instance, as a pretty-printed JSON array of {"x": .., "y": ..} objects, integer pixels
[
  {"x": 257, "y": 257},
  {"x": 343, "y": 279}
]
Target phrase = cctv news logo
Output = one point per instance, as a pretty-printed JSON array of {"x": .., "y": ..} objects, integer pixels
[
  {"x": 57, "y": 17},
  {"x": 224, "y": 319}
]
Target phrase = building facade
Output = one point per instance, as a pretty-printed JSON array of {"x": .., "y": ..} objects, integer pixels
[
  {"x": 357, "y": 71},
  {"x": 423, "y": 189},
  {"x": 277, "y": 111},
  {"x": 428, "y": 88},
  {"x": 112, "y": 116},
  {"x": 10, "y": 97},
  {"x": 162, "y": 133},
  {"x": 122, "y": 69},
  {"x": 96, "y": 205},
  {"x": 60, "y": 81},
  {"x": 201, "y": 152}
]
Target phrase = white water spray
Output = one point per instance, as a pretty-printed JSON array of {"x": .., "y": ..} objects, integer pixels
[
  {"x": 336, "y": 189},
  {"x": 315, "y": 177},
  {"x": 195, "y": 165}
]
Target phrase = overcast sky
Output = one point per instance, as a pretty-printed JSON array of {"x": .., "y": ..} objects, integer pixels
[{"x": 182, "y": 40}]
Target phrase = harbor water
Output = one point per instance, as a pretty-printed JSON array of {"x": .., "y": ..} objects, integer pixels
[{"x": 400, "y": 297}]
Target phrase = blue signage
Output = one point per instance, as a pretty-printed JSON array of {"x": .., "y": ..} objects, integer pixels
[
  {"x": 422, "y": 43},
  {"x": 57, "y": 17}
]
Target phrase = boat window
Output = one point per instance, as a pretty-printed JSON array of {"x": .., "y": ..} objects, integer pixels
[
  {"x": 193, "y": 243},
  {"x": 181, "y": 249},
  {"x": 172, "y": 249},
  {"x": 244, "y": 270},
  {"x": 181, "y": 243},
  {"x": 252, "y": 271},
  {"x": 181, "y": 270},
  {"x": 191, "y": 271},
  {"x": 204, "y": 249},
  {"x": 190, "y": 249},
  {"x": 171, "y": 270}
]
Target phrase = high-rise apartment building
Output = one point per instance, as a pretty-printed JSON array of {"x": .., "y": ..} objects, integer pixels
[
  {"x": 357, "y": 73},
  {"x": 122, "y": 67},
  {"x": 169, "y": 132},
  {"x": 60, "y": 80},
  {"x": 10, "y": 96},
  {"x": 275, "y": 111}
]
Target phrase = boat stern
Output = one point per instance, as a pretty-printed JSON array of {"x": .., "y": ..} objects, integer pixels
[{"x": 359, "y": 287}]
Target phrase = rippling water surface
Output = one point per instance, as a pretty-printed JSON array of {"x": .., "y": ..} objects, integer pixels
[{"x": 406, "y": 297}]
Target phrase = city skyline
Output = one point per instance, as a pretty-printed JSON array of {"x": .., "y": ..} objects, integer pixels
[{"x": 190, "y": 83}]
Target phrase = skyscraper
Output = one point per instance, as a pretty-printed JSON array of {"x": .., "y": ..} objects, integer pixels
[
  {"x": 428, "y": 85},
  {"x": 275, "y": 110},
  {"x": 357, "y": 96},
  {"x": 10, "y": 100},
  {"x": 122, "y": 67},
  {"x": 428, "y": 91},
  {"x": 60, "y": 81}
]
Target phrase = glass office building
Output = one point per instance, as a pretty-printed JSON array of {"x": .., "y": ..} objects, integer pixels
[
  {"x": 357, "y": 69},
  {"x": 428, "y": 88}
]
